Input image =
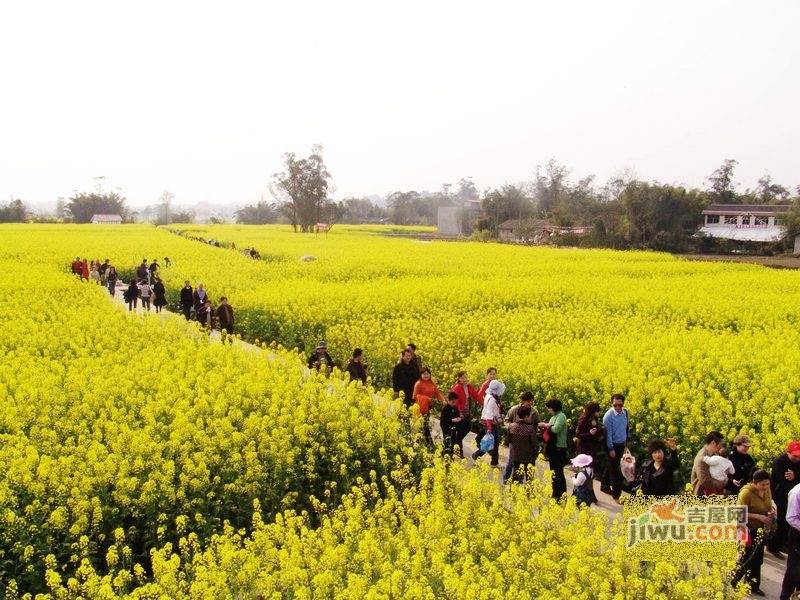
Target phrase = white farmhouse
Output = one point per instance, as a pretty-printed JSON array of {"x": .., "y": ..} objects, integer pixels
[
  {"x": 107, "y": 219},
  {"x": 745, "y": 222}
]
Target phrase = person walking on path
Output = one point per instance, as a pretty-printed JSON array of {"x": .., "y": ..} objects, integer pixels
[
  {"x": 132, "y": 294},
  {"x": 589, "y": 432},
  {"x": 491, "y": 417},
  {"x": 743, "y": 464},
  {"x": 616, "y": 423},
  {"x": 785, "y": 474},
  {"x": 703, "y": 483},
  {"x": 791, "y": 578},
  {"x": 761, "y": 511},
  {"x": 463, "y": 389},
  {"x": 320, "y": 359},
  {"x": 356, "y": 367},
  {"x": 525, "y": 399},
  {"x": 658, "y": 472},
  {"x": 199, "y": 297},
  {"x": 94, "y": 275},
  {"x": 554, "y": 433},
  {"x": 404, "y": 375},
  {"x": 85, "y": 270},
  {"x": 145, "y": 291},
  {"x": 583, "y": 480},
  {"x": 523, "y": 443},
  {"x": 142, "y": 272},
  {"x": 153, "y": 269},
  {"x": 225, "y": 315},
  {"x": 424, "y": 393},
  {"x": 491, "y": 375},
  {"x": 111, "y": 280},
  {"x": 450, "y": 422},
  {"x": 205, "y": 313},
  {"x": 159, "y": 294},
  {"x": 416, "y": 357},
  {"x": 187, "y": 300}
]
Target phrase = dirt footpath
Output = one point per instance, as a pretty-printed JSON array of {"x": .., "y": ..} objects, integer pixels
[{"x": 783, "y": 261}]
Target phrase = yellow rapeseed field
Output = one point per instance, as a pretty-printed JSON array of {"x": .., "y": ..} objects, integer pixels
[
  {"x": 694, "y": 346},
  {"x": 120, "y": 434}
]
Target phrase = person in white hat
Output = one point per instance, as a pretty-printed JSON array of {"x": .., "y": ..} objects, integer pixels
[
  {"x": 583, "y": 480},
  {"x": 320, "y": 359},
  {"x": 491, "y": 417}
]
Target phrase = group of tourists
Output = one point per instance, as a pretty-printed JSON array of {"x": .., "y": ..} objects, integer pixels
[
  {"x": 103, "y": 273},
  {"x": 603, "y": 444},
  {"x": 599, "y": 444},
  {"x": 196, "y": 305},
  {"x": 148, "y": 288}
]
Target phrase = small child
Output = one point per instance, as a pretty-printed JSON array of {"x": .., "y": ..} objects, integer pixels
[
  {"x": 719, "y": 467},
  {"x": 583, "y": 480}
]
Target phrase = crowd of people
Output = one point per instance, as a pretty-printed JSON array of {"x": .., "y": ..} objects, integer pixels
[
  {"x": 147, "y": 287},
  {"x": 602, "y": 446}
]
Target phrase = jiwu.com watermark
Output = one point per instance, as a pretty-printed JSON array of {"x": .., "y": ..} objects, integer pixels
[{"x": 676, "y": 522}]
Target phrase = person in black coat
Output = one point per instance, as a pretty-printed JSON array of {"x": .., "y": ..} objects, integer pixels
[
  {"x": 159, "y": 295},
  {"x": 658, "y": 472},
  {"x": 187, "y": 300},
  {"x": 743, "y": 465},
  {"x": 320, "y": 359},
  {"x": 404, "y": 375},
  {"x": 356, "y": 368},
  {"x": 785, "y": 475},
  {"x": 450, "y": 422},
  {"x": 132, "y": 294}
]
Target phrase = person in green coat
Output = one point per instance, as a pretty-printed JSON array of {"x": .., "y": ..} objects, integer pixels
[{"x": 554, "y": 433}]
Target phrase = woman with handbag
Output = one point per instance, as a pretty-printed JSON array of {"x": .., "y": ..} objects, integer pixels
[
  {"x": 491, "y": 417},
  {"x": 554, "y": 434},
  {"x": 761, "y": 511}
]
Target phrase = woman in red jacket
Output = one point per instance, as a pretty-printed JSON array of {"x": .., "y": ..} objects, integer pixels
[
  {"x": 463, "y": 389},
  {"x": 424, "y": 393}
]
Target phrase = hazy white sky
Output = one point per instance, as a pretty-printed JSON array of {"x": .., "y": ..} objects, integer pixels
[{"x": 203, "y": 99}]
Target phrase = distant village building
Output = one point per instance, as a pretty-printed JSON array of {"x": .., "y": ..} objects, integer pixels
[
  {"x": 535, "y": 231},
  {"x": 107, "y": 219},
  {"x": 745, "y": 222},
  {"x": 457, "y": 220}
]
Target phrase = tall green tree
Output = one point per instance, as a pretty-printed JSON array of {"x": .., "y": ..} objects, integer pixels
[
  {"x": 721, "y": 185},
  {"x": 661, "y": 216},
  {"x": 13, "y": 212},
  {"x": 507, "y": 202},
  {"x": 258, "y": 214},
  {"x": 84, "y": 205},
  {"x": 303, "y": 185}
]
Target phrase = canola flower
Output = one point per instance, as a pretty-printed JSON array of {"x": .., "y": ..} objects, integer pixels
[
  {"x": 455, "y": 535},
  {"x": 116, "y": 427}
]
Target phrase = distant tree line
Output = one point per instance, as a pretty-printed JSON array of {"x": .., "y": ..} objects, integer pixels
[{"x": 625, "y": 212}]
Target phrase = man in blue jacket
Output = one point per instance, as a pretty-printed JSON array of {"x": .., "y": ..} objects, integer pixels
[{"x": 617, "y": 426}]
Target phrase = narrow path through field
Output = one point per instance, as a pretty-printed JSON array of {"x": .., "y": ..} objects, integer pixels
[{"x": 771, "y": 572}]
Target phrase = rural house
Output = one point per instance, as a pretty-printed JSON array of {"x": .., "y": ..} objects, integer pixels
[{"x": 107, "y": 219}]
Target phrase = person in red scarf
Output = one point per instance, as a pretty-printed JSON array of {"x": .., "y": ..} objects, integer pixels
[
  {"x": 85, "y": 270},
  {"x": 464, "y": 391}
]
